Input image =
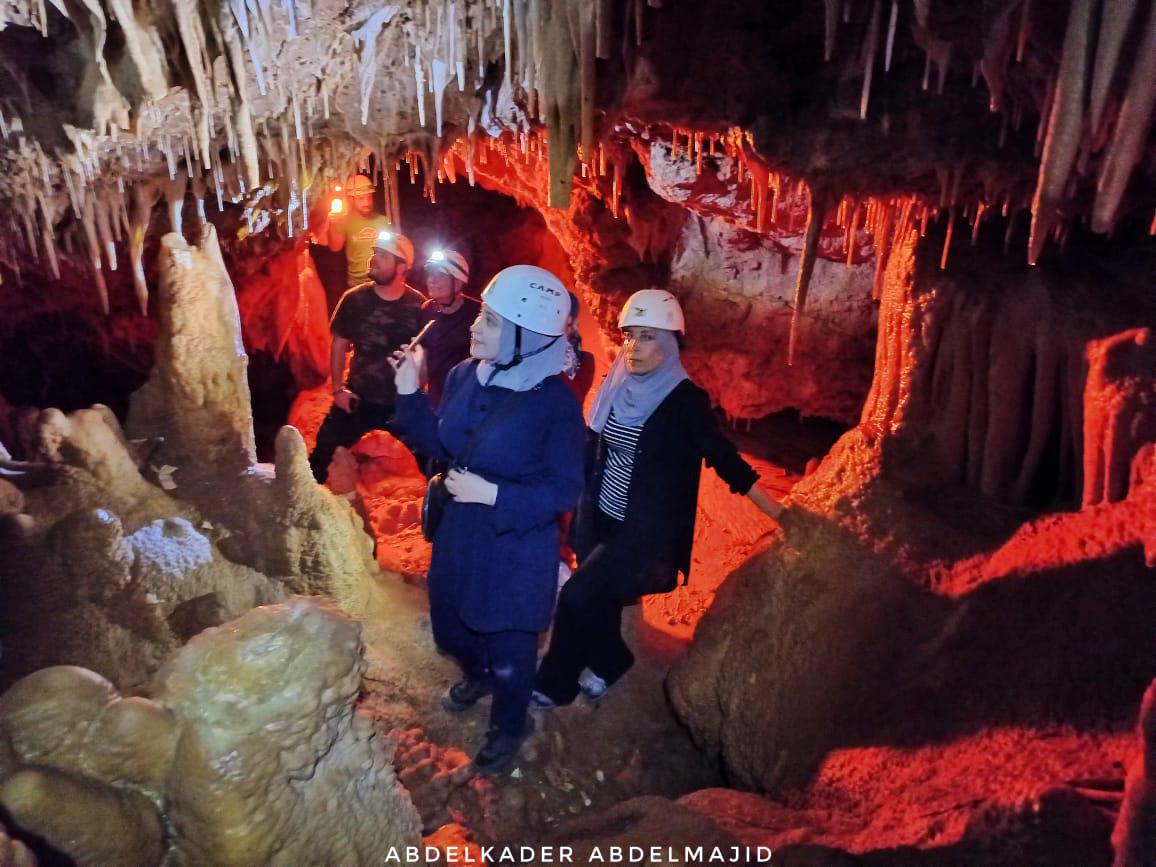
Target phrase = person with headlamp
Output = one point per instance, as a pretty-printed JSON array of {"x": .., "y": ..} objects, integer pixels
[
  {"x": 451, "y": 311},
  {"x": 373, "y": 320},
  {"x": 354, "y": 225}
]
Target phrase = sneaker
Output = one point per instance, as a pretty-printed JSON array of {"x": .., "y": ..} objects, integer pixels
[
  {"x": 465, "y": 694},
  {"x": 500, "y": 749},
  {"x": 592, "y": 686},
  {"x": 541, "y": 701}
]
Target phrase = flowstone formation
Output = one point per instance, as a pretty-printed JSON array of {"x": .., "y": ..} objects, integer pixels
[
  {"x": 899, "y": 609},
  {"x": 104, "y": 569},
  {"x": 251, "y": 751},
  {"x": 125, "y": 547}
]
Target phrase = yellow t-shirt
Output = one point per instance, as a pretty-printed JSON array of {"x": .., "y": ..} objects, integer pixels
[{"x": 360, "y": 233}]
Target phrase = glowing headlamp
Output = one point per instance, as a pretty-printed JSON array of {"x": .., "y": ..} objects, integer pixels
[
  {"x": 437, "y": 256},
  {"x": 336, "y": 206},
  {"x": 384, "y": 237}
]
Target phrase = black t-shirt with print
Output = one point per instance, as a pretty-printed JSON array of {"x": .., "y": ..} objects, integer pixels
[
  {"x": 376, "y": 328},
  {"x": 447, "y": 343}
]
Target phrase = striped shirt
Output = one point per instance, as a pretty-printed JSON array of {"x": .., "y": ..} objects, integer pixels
[{"x": 621, "y": 443}]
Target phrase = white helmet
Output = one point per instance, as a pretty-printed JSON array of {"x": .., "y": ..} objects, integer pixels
[
  {"x": 531, "y": 297},
  {"x": 401, "y": 247},
  {"x": 450, "y": 261},
  {"x": 654, "y": 308}
]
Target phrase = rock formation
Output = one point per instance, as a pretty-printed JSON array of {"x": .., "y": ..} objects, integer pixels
[
  {"x": 872, "y": 609},
  {"x": 196, "y": 408},
  {"x": 250, "y": 752},
  {"x": 1133, "y": 836},
  {"x": 106, "y": 570}
]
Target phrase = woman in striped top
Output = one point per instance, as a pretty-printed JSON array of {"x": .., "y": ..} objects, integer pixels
[{"x": 651, "y": 428}]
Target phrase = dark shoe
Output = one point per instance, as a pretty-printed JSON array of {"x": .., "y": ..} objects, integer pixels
[
  {"x": 465, "y": 694},
  {"x": 500, "y": 749}
]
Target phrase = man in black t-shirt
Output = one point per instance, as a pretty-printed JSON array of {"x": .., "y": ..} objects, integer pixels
[
  {"x": 373, "y": 320},
  {"x": 448, "y": 341}
]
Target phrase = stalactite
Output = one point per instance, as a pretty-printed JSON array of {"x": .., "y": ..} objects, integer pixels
[
  {"x": 831, "y": 26},
  {"x": 852, "y": 229},
  {"x": 997, "y": 48},
  {"x": 586, "y": 54},
  {"x": 192, "y": 36},
  {"x": 88, "y": 224},
  {"x": 1024, "y": 29},
  {"x": 816, "y": 213},
  {"x": 894, "y": 19},
  {"x": 947, "y": 239},
  {"x": 1131, "y": 132},
  {"x": 175, "y": 198},
  {"x": 104, "y": 230},
  {"x": 1065, "y": 127},
  {"x": 871, "y": 48},
  {"x": 1115, "y": 19}
]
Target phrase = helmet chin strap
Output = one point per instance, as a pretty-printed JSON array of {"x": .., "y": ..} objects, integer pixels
[{"x": 518, "y": 356}]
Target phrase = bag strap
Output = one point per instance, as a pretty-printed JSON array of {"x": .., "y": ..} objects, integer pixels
[{"x": 501, "y": 412}]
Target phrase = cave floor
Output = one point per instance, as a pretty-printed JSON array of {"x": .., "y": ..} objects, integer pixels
[{"x": 582, "y": 758}]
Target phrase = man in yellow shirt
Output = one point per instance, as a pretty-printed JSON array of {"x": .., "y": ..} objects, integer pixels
[{"x": 355, "y": 227}]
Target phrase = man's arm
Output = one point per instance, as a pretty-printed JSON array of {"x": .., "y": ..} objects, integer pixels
[
  {"x": 336, "y": 234},
  {"x": 337, "y": 353}
]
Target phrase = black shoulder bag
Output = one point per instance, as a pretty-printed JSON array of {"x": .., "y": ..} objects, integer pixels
[{"x": 433, "y": 507}]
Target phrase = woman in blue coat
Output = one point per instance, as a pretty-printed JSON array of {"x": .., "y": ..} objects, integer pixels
[{"x": 494, "y": 571}]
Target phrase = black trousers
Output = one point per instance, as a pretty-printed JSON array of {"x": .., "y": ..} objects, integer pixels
[
  {"x": 506, "y": 659},
  {"x": 588, "y": 620},
  {"x": 342, "y": 428}
]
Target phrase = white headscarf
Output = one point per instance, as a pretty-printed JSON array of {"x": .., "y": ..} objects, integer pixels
[
  {"x": 633, "y": 397},
  {"x": 533, "y": 368}
]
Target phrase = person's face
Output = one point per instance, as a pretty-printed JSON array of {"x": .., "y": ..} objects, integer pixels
[
  {"x": 362, "y": 204},
  {"x": 382, "y": 267},
  {"x": 485, "y": 335},
  {"x": 643, "y": 351},
  {"x": 441, "y": 286}
]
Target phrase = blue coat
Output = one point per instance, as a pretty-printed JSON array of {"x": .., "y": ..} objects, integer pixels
[{"x": 498, "y": 565}]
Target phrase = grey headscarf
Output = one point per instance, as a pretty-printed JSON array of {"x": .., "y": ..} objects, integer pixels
[
  {"x": 530, "y": 371},
  {"x": 634, "y": 397}
]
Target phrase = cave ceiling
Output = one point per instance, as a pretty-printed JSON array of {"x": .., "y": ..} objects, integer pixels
[{"x": 868, "y": 112}]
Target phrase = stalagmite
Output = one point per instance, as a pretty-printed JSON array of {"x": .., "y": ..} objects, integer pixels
[
  {"x": 816, "y": 213},
  {"x": 1065, "y": 127},
  {"x": 1131, "y": 132}
]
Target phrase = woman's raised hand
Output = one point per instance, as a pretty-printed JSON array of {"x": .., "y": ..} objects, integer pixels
[{"x": 407, "y": 365}]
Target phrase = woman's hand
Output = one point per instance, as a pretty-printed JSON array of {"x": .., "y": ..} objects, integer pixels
[
  {"x": 466, "y": 487},
  {"x": 407, "y": 364}
]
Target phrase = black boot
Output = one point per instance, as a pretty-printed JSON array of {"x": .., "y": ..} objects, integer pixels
[{"x": 465, "y": 694}]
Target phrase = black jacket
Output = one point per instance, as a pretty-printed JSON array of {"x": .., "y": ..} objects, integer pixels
[{"x": 663, "y": 497}]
